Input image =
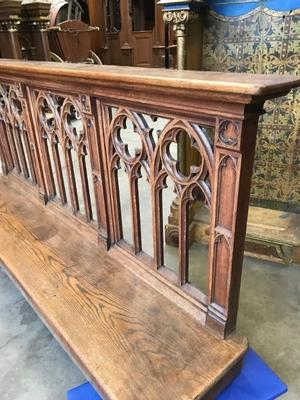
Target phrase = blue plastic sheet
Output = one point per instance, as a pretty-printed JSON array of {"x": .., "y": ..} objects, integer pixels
[
  {"x": 256, "y": 382},
  {"x": 233, "y": 8}
]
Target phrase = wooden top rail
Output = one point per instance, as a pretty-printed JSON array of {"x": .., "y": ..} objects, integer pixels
[
  {"x": 130, "y": 155},
  {"x": 242, "y": 87}
]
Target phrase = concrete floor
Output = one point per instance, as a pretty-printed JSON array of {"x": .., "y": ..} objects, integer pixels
[{"x": 34, "y": 367}]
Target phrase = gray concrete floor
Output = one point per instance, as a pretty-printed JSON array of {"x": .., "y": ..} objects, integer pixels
[{"x": 34, "y": 367}]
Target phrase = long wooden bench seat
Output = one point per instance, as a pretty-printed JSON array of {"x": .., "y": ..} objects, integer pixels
[{"x": 130, "y": 340}]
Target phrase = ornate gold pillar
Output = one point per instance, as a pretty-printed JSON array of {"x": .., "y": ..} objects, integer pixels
[
  {"x": 180, "y": 19},
  {"x": 180, "y": 14}
]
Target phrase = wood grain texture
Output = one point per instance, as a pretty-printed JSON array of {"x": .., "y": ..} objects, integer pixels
[
  {"x": 131, "y": 341},
  {"x": 131, "y": 42},
  {"x": 140, "y": 330},
  {"x": 230, "y": 83}
]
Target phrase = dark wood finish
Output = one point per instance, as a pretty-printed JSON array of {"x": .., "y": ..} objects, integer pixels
[
  {"x": 9, "y": 24},
  {"x": 97, "y": 18},
  {"x": 23, "y": 30},
  {"x": 10, "y": 45},
  {"x": 33, "y": 31},
  {"x": 64, "y": 132},
  {"x": 142, "y": 43},
  {"x": 135, "y": 42},
  {"x": 71, "y": 40},
  {"x": 234, "y": 158}
]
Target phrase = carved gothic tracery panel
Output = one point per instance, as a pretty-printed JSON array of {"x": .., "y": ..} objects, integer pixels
[
  {"x": 141, "y": 182},
  {"x": 63, "y": 124},
  {"x": 144, "y": 145},
  {"x": 15, "y": 137}
]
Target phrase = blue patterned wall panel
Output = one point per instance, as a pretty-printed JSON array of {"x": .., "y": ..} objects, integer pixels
[{"x": 267, "y": 42}]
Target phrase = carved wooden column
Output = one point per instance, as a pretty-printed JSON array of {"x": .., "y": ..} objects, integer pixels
[
  {"x": 3, "y": 152},
  {"x": 126, "y": 33},
  {"x": 35, "y": 24},
  {"x": 159, "y": 45},
  {"x": 9, "y": 24},
  {"x": 97, "y": 18},
  {"x": 234, "y": 156}
]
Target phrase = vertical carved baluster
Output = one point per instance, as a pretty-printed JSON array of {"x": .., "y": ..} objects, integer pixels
[
  {"x": 29, "y": 157},
  {"x": 17, "y": 109},
  {"x": 35, "y": 138},
  {"x": 5, "y": 153},
  {"x": 85, "y": 186},
  {"x": 20, "y": 150},
  {"x": 96, "y": 131},
  {"x": 29, "y": 136},
  {"x": 3, "y": 158},
  {"x": 157, "y": 220},
  {"x": 59, "y": 173},
  {"x": 51, "y": 190},
  {"x": 118, "y": 228},
  {"x": 101, "y": 170},
  {"x": 7, "y": 160},
  {"x": 47, "y": 136},
  {"x": 135, "y": 209},
  {"x": 75, "y": 126},
  {"x": 183, "y": 241},
  {"x": 13, "y": 148},
  {"x": 234, "y": 157},
  {"x": 71, "y": 177},
  {"x": 20, "y": 106}
]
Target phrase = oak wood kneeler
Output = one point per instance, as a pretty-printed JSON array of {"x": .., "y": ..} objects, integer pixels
[{"x": 72, "y": 137}]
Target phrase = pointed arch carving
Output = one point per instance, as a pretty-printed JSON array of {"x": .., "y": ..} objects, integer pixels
[
  {"x": 16, "y": 136},
  {"x": 63, "y": 123},
  {"x": 153, "y": 155}
]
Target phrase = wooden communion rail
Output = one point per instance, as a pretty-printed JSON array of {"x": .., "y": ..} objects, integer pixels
[{"x": 137, "y": 329}]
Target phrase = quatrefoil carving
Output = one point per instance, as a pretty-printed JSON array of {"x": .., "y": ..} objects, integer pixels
[
  {"x": 229, "y": 132},
  {"x": 176, "y": 134},
  {"x": 46, "y": 115},
  {"x": 73, "y": 122},
  {"x": 170, "y": 159},
  {"x": 126, "y": 139}
]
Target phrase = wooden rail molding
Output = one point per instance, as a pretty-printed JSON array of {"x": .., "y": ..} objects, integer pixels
[{"x": 72, "y": 132}]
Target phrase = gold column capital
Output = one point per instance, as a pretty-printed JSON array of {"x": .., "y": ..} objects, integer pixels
[{"x": 179, "y": 18}]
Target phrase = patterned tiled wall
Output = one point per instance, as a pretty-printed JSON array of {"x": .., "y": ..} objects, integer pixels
[{"x": 268, "y": 42}]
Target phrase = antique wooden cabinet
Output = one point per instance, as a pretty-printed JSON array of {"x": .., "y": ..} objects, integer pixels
[
  {"x": 132, "y": 32},
  {"x": 90, "y": 171}
]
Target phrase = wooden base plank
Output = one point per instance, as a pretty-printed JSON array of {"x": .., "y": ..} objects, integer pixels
[{"x": 129, "y": 339}]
